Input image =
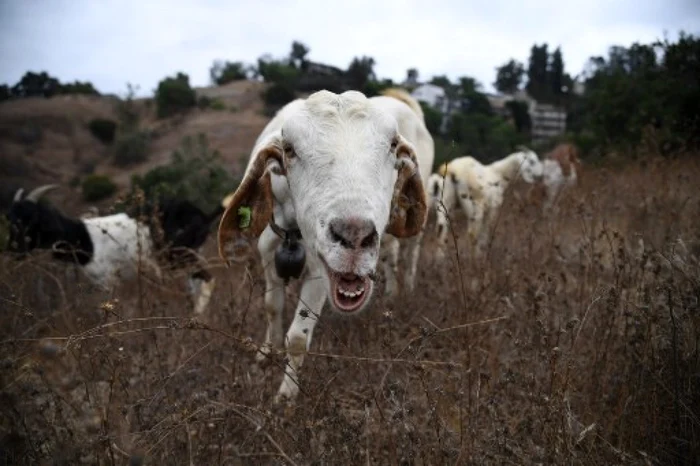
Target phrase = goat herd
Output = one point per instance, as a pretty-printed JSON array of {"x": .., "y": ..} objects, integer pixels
[{"x": 335, "y": 185}]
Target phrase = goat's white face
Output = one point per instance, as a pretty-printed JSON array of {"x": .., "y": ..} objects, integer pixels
[
  {"x": 351, "y": 177},
  {"x": 531, "y": 168}
]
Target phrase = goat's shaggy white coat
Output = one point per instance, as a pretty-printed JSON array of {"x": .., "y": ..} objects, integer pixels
[
  {"x": 334, "y": 160},
  {"x": 479, "y": 190},
  {"x": 121, "y": 246}
]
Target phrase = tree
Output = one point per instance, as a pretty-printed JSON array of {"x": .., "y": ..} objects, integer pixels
[
  {"x": 360, "y": 72},
  {"x": 36, "y": 85},
  {"x": 225, "y": 72},
  {"x": 476, "y": 101},
  {"x": 509, "y": 77},
  {"x": 433, "y": 118},
  {"x": 298, "y": 54},
  {"x": 175, "y": 95},
  {"x": 537, "y": 72},
  {"x": 411, "y": 77},
  {"x": 5, "y": 93},
  {"x": 555, "y": 73}
]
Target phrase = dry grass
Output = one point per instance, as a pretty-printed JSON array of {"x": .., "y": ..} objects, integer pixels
[{"x": 571, "y": 344}]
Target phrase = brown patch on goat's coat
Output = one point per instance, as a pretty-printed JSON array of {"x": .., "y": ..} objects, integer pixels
[
  {"x": 566, "y": 156},
  {"x": 254, "y": 192}
]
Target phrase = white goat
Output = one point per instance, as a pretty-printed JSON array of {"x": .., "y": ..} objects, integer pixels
[
  {"x": 113, "y": 248},
  {"x": 479, "y": 189},
  {"x": 330, "y": 173}
]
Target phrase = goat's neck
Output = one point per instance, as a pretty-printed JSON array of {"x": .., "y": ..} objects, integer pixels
[
  {"x": 508, "y": 167},
  {"x": 67, "y": 237}
]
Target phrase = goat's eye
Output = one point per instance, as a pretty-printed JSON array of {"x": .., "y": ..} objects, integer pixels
[
  {"x": 394, "y": 143},
  {"x": 289, "y": 151}
]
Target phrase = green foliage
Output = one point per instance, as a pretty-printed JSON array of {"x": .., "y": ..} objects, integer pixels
[
  {"x": 103, "y": 129},
  {"x": 225, "y": 72},
  {"x": 483, "y": 136},
  {"x": 537, "y": 72},
  {"x": 373, "y": 88},
  {"x": 361, "y": 72},
  {"x": 277, "y": 95},
  {"x": 78, "y": 87},
  {"x": 521, "y": 116},
  {"x": 132, "y": 147},
  {"x": 43, "y": 85},
  {"x": 509, "y": 77},
  {"x": 5, "y": 93},
  {"x": 205, "y": 102},
  {"x": 277, "y": 71},
  {"x": 36, "y": 85},
  {"x": 631, "y": 93},
  {"x": 175, "y": 95},
  {"x": 194, "y": 173},
  {"x": 97, "y": 187},
  {"x": 446, "y": 150},
  {"x": 297, "y": 56},
  {"x": 433, "y": 118}
]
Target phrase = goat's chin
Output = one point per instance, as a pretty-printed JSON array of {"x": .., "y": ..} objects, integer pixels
[{"x": 348, "y": 293}]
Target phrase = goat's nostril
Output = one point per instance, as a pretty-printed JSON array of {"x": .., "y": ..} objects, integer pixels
[
  {"x": 353, "y": 233},
  {"x": 369, "y": 240},
  {"x": 338, "y": 238}
]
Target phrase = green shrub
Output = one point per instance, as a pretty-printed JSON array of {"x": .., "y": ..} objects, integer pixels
[
  {"x": 204, "y": 102},
  {"x": 132, "y": 148},
  {"x": 225, "y": 72},
  {"x": 175, "y": 95},
  {"x": 277, "y": 95},
  {"x": 218, "y": 105},
  {"x": 194, "y": 173},
  {"x": 103, "y": 129},
  {"x": 97, "y": 187}
]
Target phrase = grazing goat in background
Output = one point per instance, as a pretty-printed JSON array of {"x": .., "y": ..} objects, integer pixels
[
  {"x": 113, "y": 248},
  {"x": 562, "y": 170},
  {"x": 479, "y": 189},
  {"x": 330, "y": 175}
]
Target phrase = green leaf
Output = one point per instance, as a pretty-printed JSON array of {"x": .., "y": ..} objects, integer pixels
[{"x": 245, "y": 213}]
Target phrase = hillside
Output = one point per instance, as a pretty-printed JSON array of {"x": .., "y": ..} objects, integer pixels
[{"x": 48, "y": 140}]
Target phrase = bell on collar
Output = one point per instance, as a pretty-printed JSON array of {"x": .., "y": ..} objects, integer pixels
[{"x": 290, "y": 258}]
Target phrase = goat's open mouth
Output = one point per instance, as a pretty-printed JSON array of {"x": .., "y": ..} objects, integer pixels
[{"x": 349, "y": 292}]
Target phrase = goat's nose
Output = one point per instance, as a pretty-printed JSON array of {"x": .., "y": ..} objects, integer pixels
[{"x": 353, "y": 232}]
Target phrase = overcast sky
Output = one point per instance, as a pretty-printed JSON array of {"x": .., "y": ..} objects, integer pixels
[{"x": 112, "y": 42}]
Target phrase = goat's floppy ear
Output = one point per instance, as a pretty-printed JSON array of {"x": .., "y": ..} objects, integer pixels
[
  {"x": 408, "y": 204},
  {"x": 249, "y": 209}
]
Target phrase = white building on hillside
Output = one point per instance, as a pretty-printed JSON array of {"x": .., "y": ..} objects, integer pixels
[{"x": 433, "y": 95}]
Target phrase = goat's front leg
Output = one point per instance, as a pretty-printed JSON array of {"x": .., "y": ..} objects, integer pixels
[
  {"x": 311, "y": 301},
  {"x": 475, "y": 228},
  {"x": 442, "y": 226},
  {"x": 202, "y": 286},
  {"x": 274, "y": 294},
  {"x": 389, "y": 256},
  {"x": 413, "y": 247}
]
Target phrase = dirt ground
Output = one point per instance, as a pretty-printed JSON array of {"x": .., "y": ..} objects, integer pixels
[{"x": 574, "y": 342}]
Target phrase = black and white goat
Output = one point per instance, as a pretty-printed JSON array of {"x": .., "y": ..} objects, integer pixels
[{"x": 114, "y": 248}]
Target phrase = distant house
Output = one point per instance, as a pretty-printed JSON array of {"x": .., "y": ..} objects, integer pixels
[
  {"x": 548, "y": 120},
  {"x": 437, "y": 97}
]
